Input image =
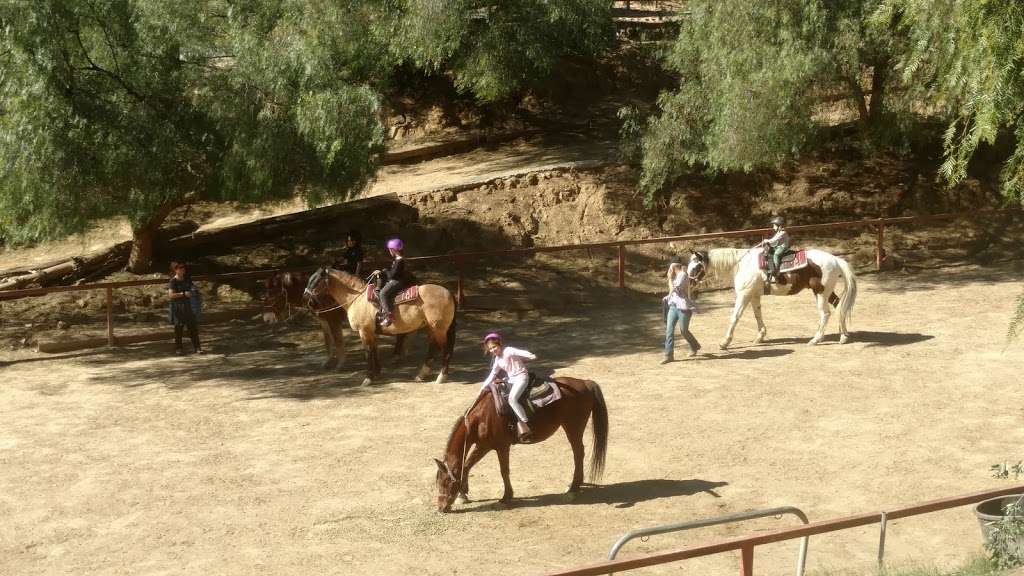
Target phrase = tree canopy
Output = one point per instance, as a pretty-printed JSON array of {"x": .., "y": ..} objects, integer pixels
[
  {"x": 134, "y": 107},
  {"x": 966, "y": 59},
  {"x": 754, "y": 77}
]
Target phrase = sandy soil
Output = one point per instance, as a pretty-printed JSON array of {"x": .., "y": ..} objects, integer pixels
[{"x": 251, "y": 461}]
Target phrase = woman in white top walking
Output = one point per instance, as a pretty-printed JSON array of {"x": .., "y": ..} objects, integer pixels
[
  {"x": 680, "y": 306},
  {"x": 512, "y": 362}
]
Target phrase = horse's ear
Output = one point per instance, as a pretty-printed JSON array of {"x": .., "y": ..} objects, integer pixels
[{"x": 441, "y": 466}]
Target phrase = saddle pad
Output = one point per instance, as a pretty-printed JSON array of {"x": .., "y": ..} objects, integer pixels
[
  {"x": 407, "y": 295},
  {"x": 539, "y": 396},
  {"x": 790, "y": 261}
]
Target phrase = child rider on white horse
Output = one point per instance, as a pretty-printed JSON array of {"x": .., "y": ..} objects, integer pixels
[
  {"x": 512, "y": 361},
  {"x": 777, "y": 245}
]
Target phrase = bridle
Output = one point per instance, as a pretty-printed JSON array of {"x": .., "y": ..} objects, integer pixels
[
  {"x": 313, "y": 297},
  {"x": 465, "y": 446}
]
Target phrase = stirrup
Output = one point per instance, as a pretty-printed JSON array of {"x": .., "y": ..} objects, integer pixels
[{"x": 524, "y": 435}]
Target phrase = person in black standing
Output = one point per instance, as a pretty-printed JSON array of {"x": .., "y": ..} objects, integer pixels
[
  {"x": 180, "y": 289},
  {"x": 352, "y": 258}
]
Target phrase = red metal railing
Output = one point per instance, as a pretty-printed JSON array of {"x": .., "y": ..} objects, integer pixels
[
  {"x": 747, "y": 544},
  {"x": 459, "y": 259}
]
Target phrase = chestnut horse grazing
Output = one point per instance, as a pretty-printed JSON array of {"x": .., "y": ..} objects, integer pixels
[
  {"x": 434, "y": 310},
  {"x": 821, "y": 275},
  {"x": 482, "y": 429}
]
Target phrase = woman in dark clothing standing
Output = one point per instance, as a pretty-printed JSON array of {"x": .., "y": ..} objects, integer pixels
[
  {"x": 180, "y": 289},
  {"x": 352, "y": 258}
]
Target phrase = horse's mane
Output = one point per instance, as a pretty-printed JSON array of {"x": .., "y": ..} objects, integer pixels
[
  {"x": 352, "y": 282},
  {"x": 723, "y": 261}
]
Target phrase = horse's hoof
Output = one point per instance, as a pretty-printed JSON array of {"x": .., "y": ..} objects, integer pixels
[
  {"x": 844, "y": 339},
  {"x": 418, "y": 379},
  {"x": 724, "y": 346},
  {"x": 814, "y": 342},
  {"x": 571, "y": 495},
  {"x": 441, "y": 378},
  {"x": 463, "y": 499},
  {"x": 367, "y": 381}
]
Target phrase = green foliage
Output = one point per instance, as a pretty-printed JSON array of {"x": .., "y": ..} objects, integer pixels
[
  {"x": 1017, "y": 322},
  {"x": 125, "y": 107},
  {"x": 495, "y": 49},
  {"x": 966, "y": 59},
  {"x": 754, "y": 75},
  {"x": 128, "y": 107}
]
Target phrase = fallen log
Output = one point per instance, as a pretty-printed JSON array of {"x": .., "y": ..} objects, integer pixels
[
  {"x": 378, "y": 209},
  {"x": 94, "y": 265}
]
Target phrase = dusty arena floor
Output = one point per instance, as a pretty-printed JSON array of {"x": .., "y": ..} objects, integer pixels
[{"x": 249, "y": 460}]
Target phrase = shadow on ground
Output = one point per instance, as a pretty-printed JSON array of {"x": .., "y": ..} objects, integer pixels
[{"x": 619, "y": 495}]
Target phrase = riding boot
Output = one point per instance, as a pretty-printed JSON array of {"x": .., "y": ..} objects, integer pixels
[
  {"x": 387, "y": 319},
  {"x": 525, "y": 434}
]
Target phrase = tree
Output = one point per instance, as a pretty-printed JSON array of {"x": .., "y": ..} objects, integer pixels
[
  {"x": 965, "y": 59},
  {"x": 135, "y": 107},
  {"x": 496, "y": 49},
  {"x": 754, "y": 77}
]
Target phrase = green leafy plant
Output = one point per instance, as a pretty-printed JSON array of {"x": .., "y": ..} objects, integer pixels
[
  {"x": 1017, "y": 322},
  {"x": 1004, "y": 545}
]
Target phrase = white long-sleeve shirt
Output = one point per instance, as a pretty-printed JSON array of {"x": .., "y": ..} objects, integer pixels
[
  {"x": 680, "y": 294},
  {"x": 512, "y": 362}
]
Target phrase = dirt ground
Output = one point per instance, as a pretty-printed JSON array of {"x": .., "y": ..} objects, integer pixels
[{"x": 250, "y": 460}]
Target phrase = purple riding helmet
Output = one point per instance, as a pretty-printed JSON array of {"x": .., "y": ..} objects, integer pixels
[
  {"x": 395, "y": 244},
  {"x": 492, "y": 336}
]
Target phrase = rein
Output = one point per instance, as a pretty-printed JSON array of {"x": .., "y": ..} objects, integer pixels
[{"x": 465, "y": 441}]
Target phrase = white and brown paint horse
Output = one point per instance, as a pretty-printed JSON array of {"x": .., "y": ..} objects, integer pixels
[
  {"x": 434, "y": 311},
  {"x": 821, "y": 276}
]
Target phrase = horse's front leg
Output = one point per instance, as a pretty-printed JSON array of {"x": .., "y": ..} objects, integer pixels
[
  {"x": 506, "y": 497},
  {"x": 474, "y": 456},
  {"x": 329, "y": 345},
  {"x": 370, "y": 347},
  {"x": 737, "y": 311}
]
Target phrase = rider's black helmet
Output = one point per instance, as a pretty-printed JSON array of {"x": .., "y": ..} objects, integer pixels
[
  {"x": 355, "y": 235},
  {"x": 778, "y": 221}
]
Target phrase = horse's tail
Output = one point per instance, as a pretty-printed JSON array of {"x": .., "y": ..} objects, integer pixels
[
  {"x": 849, "y": 295},
  {"x": 599, "y": 416}
]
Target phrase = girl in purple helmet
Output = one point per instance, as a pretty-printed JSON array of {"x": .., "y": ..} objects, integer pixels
[
  {"x": 396, "y": 279},
  {"x": 512, "y": 362}
]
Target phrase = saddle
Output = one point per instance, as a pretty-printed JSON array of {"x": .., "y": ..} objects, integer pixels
[
  {"x": 791, "y": 262},
  {"x": 539, "y": 393},
  {"x": 409, "y": 294}
]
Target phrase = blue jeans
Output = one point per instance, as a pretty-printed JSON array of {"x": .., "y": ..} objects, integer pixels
[{"x": 683, "y": 318}]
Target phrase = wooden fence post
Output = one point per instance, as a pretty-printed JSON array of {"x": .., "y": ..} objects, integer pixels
[
  {"x": 622, "y": 266},
  {"x": 110, "y": 317}
]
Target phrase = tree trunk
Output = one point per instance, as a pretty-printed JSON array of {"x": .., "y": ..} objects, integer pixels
[
  {"x": 141, "y": 259},
  {"x": 858, "y": 97},
  {"x": 878, "y": 78}
]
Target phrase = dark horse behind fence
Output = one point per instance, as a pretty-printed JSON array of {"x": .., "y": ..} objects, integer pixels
[{"x": 482, "y": 429}]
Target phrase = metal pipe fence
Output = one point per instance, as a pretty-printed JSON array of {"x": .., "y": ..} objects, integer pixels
[
  {"x": 747, "y": 544},
  {"x": 460, "y": 260}
]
